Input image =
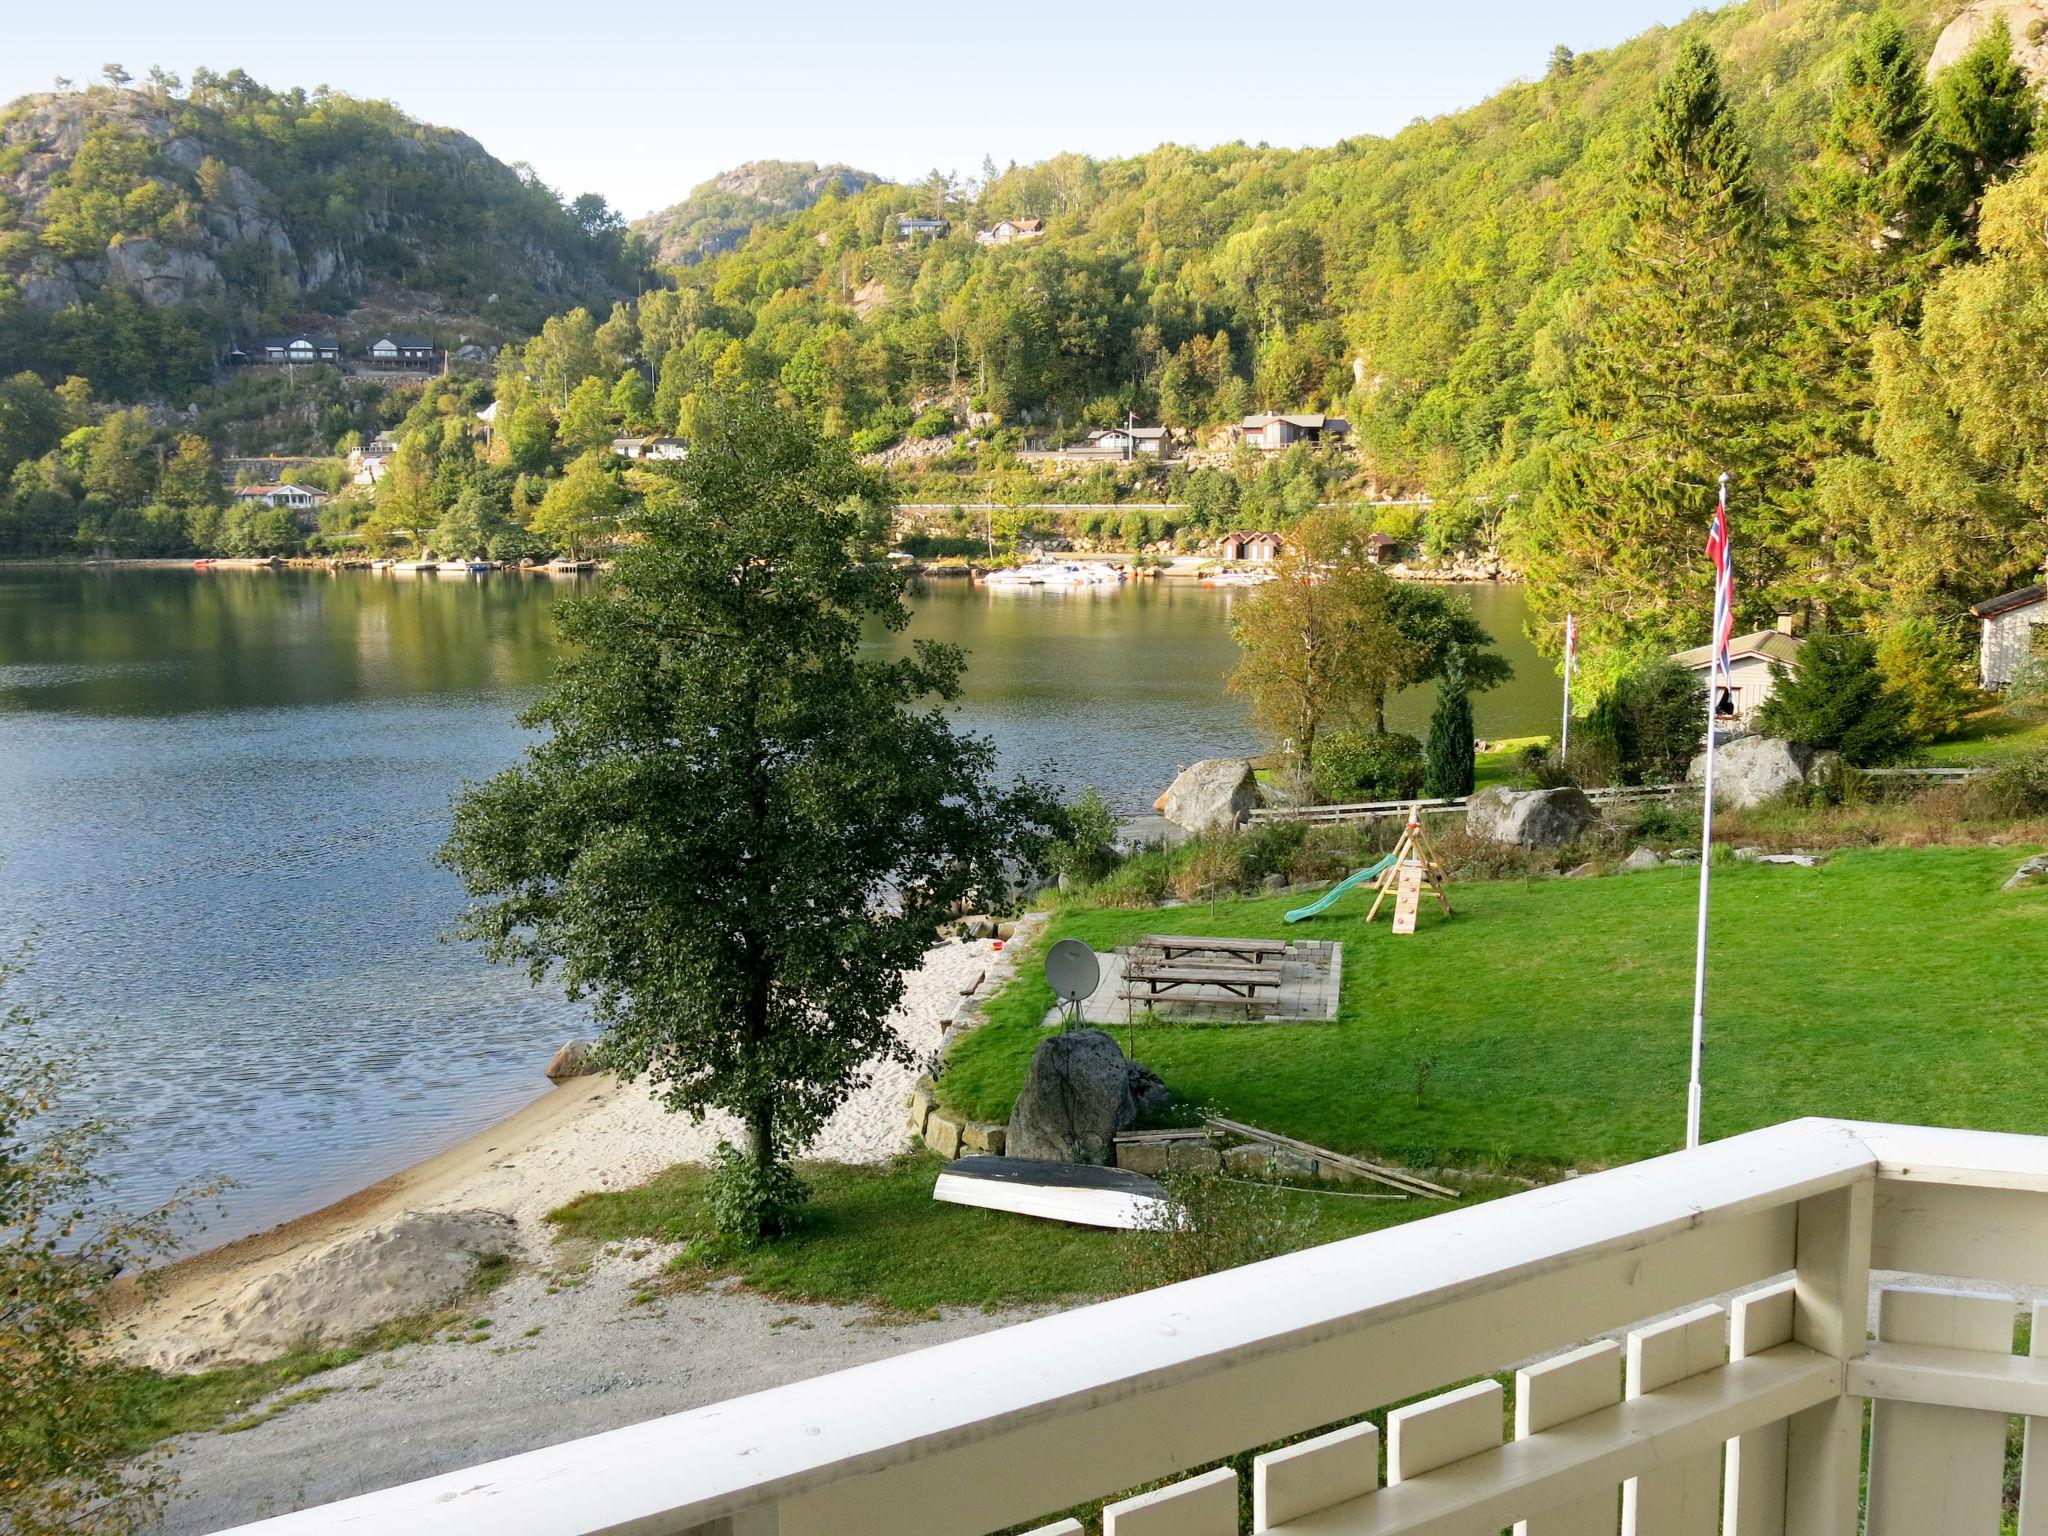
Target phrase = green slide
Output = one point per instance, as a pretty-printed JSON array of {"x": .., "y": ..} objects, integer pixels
[{"x": 1322, "y": 903}]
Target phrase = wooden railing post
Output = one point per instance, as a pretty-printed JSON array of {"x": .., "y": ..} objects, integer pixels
[{"x": 1831, "y": 1313}]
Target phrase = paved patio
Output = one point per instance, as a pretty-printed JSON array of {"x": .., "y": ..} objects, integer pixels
[{"x": 1312, "y": 974}]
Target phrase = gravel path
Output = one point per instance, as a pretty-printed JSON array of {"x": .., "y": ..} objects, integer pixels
[{"x": 597, "y": 1362}]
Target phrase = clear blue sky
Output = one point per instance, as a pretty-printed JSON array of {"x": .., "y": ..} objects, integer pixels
[{"x": 643, "y": 103}]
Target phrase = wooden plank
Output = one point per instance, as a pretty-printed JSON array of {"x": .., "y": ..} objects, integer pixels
[
  {"x": 1682, "y": 1498},
  {"x": 1555, "y": 1392},
  {"x": 1989, "y": 1381},
  {"x": 1407, "y": 895},
  {"x": 1072, "y": 1192},
  {"x": 1195, "y": 943},
  {"x": 1397, "y": 1177},
  {"x": 1314, "y": 1475},
  {"x": 2034, "y": 1457},
  {"x": 1443, "y": 1429},
  {"x": 1753, "y": 1484},
  {"x": 1938, "y": 1469},
  {"x": 1059, "y": 1528},
  {"x": 1830, "y": 1312},
  {"x": 1529, "y": 1478},
  {"x": 1201, "y": 1506}
]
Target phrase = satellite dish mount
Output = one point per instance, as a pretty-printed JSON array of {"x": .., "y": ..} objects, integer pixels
[{"x": 1074, "y": 971}]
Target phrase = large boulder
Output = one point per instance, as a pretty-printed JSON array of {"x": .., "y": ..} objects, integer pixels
[
  {"x": 2026, "y": 23},
  {"x": 1216, "y": 792},
  {"x": 1752, "y": 769},
  {"x": 577, "y": 1058},
  {"x": 1531, "y": 818},
  {"x": 1081, "y": 1090}
]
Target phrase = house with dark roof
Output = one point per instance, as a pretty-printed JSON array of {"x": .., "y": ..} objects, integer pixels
[
  {"x": 1121, "y": 443},
  {"x": 1008, "y": 231},
  {"x": 1270, "y": 433},
  {"x": 402, "y": 351},
  {"x": 2007, "y": 632},
  {"x": 1754, "y": 660},
  {"x": 1261, "y": 547},
  {"x": 910, "y": 225},
  {"x": 301, "y": 349}
]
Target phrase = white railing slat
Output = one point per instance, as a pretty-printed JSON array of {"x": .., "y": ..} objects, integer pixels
[
  {"x": 2034, "y": 1458},
  {"x": 1201, "y": 1506},
  {"x": 1314, "y": 1475},
  {"x": 1683, "y": 1499},
  {"x": 1936, "y": 1468},
  {"x": 1060, "y": 1528},
  {"x": 1830, "y": 1313},
  {"x": 1753, "y": 1486},
  {"x": 1443, "y": 1429},
  {"x": 1555, "y": 1392},
  {"x": 1529, "y": 1478}
]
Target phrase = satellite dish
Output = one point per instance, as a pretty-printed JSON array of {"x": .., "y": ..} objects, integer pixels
[{"x": 1073, "y": 970}]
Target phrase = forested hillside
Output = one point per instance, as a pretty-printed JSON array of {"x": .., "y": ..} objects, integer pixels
[
  {"x": 718, "y": 213},
  {"x": 141, "y": 228}
]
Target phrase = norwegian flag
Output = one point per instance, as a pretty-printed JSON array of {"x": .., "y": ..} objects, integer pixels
[
  {"x": 1571, "y": 636},
  {"x": 1724, "y": 584}
]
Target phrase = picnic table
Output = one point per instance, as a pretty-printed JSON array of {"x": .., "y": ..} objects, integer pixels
[
  {"x": 1179, "y": 946},
  {"x": 1240, "y": 981}
]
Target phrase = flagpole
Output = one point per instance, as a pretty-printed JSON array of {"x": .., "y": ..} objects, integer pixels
[
  {"x": 1699, "y": 962},
  {"x": 1571, "y": 636}
]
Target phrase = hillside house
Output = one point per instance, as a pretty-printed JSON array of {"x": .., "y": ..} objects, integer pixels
[
  {"x": 367, "y": 465},
  {"x": 301, "y": 349},
  {"x": 1008, "y": 231},
  {"x": 1121, "y": 443},
  {"x": 652, "y": 450},
  {"x": 402, "y": 352},
  {"x": 303, "y": 501},
  {"x": 1270, "y": 434},
  {"x": 1381, "y": 549},
  {"x": 911, "y": 226},
  {"x": 1752, "y": 659},
  {"x": 2009, "y": 628},
  {"x": 1259, "y": 548}
]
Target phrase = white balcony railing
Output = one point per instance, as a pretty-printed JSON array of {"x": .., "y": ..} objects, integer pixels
[{"x": 1743, "y": 1418}]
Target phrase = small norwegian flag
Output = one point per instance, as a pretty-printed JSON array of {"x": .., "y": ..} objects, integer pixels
[
  {"x": 1571, "y": 636},
  {"x": 1724, "y": 584}
]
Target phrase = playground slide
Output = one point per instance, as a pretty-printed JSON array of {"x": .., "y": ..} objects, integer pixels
[{"x": 1323, "y": 902}]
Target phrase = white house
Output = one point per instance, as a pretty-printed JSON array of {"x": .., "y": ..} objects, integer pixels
[
  {"x": 1260, "y": 547},
  {"x": 1750, "y": 660},
  {"x": 652, "y": 450},
  {"x": 1120, "y": 443},
  {"x": 1008, "y": 231},
  {"x": 401, "y": 351},
  {"x": 910, "y": 225},
  {"x": 300, "y": 498},
  {"x": 2007, "y": 632}
]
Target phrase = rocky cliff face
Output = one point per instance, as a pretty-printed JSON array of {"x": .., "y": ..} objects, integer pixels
[
  {"x": 257, "y": 207},
  {"x": 2025, "y": 20},
  {"x": 717, "y": 215}
]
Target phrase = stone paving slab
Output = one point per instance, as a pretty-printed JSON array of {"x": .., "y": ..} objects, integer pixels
[{"x": 1312, "y": 976}]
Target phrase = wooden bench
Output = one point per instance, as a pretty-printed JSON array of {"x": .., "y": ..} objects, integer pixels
[
  {"x": 1249, "y": 1004},
  {"x": 1240, "y": 980},
  {"x": 1179, "y": 946}
]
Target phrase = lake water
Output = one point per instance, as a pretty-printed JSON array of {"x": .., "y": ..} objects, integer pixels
[{"x": 222, "y": 790}]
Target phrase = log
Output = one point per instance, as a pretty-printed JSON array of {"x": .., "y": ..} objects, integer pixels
[{"x": 1397, "y": 1178}]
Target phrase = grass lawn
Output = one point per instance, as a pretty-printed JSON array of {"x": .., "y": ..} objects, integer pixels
[
  {"x": 1990, "y": 734},
  {"x": 1886, "y": 984},
  {"x": 1497, "y": 766},
  {"x": 875, "y": 1235}
]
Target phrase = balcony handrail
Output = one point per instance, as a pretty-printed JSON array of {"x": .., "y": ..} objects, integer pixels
[{"x": 998, "y": 1428}]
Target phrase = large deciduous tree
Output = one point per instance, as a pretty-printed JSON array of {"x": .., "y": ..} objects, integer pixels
[
  {"x": 1668, "y": 388},
  {"x": 745, "y": 825}
]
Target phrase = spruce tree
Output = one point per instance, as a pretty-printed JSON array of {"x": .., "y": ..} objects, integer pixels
[
  {"x": 1984, "y": 118},
  {"x": 1447, "y": 762},
  {"x": 1668, "y": 389}
]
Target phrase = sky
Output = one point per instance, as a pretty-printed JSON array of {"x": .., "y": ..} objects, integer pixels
[{"x": 642, "y": 104}]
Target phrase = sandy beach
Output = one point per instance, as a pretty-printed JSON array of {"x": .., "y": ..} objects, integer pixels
[{"x": 306, "y": 1279}]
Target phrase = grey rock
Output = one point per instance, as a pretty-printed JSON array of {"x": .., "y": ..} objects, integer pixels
[
  {"x": 942, "y": 1135},
  {"x": 1531, "y": 818},
  {"x": 160, "y": 275},
  {"x": 1641, "y": 859},
  {"x": 1142, "y": 1157},
  {"x": 1748, "y": 852},
  {"x": 1752, "y": 769},
  {"x": 980, "y": 1136},
  {"x": 1147, "y": 1091},
  {"x": 1798, "y": 856},
  {"x": 1584, "y": 871},
  {"x": 577, "y": 1058},
  {"x": 1216, "y": 792},
  {"x": 2032, "y": 872},
  {"x": 1079, "y": 1091}
]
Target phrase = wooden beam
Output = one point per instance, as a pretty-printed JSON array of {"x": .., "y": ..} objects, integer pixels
[{"x": 1400, "y": 1179}]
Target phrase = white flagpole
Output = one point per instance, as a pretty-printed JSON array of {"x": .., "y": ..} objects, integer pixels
[
  {"x": 1699, "y": 961},
  {"x": 1564, "y": 734}
]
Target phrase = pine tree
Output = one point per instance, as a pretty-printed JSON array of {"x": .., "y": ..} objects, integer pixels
[
  {"x": 1448, "y": 769},
  {"x": 1984, "y": 117},
  {"x": 1670, "y": 387}
]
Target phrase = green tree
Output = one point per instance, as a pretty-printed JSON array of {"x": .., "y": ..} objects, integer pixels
[
  {"x": 1838, "y": 701},
  {"x": 730, "y": 785},
  {"x": 1984, "y": 117},
  {"x": 583, "y": 508},
  {"x": 32, "y": 420},
  {"x": 1930, "y": 669},
  {"x": 586, "y": 420},
  {"x": 529, "y": 437},
  {"x": 1449, "y": 752},
  {"x": 120, "y": 462},
  {"x": 1666, "y": 391},
  {"x": 633, "y": 402},
  {"x": 189, "y": 478}
]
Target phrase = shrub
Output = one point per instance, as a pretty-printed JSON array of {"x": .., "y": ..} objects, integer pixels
[
  {"x": 1083, "y": 848},
  {"x": 874, "y": 439},
  {"x": 1140, "y": 881},
  {"x": 1929, "y": 668},
  {"x": 1212, "y": 1223},
  {"x": 1449, "y": 769},
  {"x": 2011, "y": 791},
  {"x": 1837, "y": 701},
  {"x": 1367, "y": 765},
  {"x": 2026, "y": 696},
  {"x": 1647, "y": 728},
  {"x": 749, "y": 1202},
  {"x": 1271, "y": 848},
  {"x": 937, "y": 421},
  {"x": 1208, "y": 867}
]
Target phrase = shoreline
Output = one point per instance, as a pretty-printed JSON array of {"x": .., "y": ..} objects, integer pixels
[{"x": 254, "y": 1296}]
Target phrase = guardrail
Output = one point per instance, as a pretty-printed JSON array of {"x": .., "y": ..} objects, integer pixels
[
  {"x": 1372, "y": 810},
  {"x": 1737, "y": 1278}
]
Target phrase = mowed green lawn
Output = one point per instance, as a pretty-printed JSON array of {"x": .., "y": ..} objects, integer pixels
[{"x": 1886, "y": 984}]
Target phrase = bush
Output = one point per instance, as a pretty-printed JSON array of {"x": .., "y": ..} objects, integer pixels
[
  {"x": 749, "y": 1202},
  {"x": 1208, "y": 867},
  {"x": 1449, "y": 768},
  {"x": 874, "y": 439},
  {"x": 1838, "y": 701},
  {"x": 937, "y": 421},
  {"x": 2026, "y": 696},
  {"x": 1648, "y": 726},
  {"x": 1212, "y": 1223},
  {"x": 1083, "y": 849},
  {"x": 2012, "y": 791},
  {"x": 1367, "y": 765},
  {"x": 1930, "y": 669},
  {"x": 1140, "y": 881}
]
